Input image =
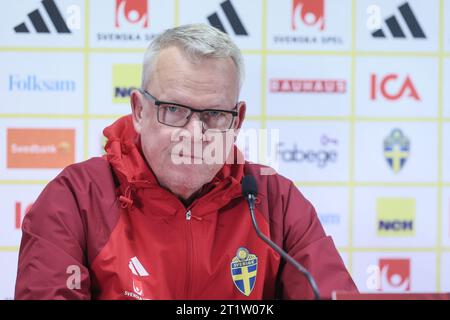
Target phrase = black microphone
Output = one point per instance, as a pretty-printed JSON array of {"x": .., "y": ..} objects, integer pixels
[{"x": 250, "y": 190}]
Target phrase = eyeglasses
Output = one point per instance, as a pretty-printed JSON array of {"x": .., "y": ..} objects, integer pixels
[{"x": 178, "y": 115}]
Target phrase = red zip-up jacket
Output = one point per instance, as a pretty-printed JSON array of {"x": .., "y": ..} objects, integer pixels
[{"x": 105, "y": 229}]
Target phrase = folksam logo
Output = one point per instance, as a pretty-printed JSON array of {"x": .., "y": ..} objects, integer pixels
[{"x": 35, "y": 83}]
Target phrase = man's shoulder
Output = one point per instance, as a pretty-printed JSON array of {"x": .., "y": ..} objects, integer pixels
[
  {"x": 94, "y": 171},
  {"x": 95, "y": 165}
]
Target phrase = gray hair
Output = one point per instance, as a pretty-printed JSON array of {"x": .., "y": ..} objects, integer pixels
[{"x": 197, "y": 41}]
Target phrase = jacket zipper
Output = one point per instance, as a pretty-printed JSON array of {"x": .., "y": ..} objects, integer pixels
[{"x": 189, "y": 252}]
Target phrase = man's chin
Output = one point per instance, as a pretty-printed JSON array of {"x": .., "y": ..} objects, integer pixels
[
  {"x": 186, "y": 179},
  {"x": 193, "y": 168}
]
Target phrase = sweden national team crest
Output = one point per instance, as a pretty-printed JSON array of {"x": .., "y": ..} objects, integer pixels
[
  {"x": 396, "y": 150},
  {"x": 244, "y": 268}
]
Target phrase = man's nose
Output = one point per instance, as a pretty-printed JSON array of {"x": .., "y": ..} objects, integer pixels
[{"x": 195, "y": 125}]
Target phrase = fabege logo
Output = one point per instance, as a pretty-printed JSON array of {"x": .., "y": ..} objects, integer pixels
[
  {"x": 392, "y": 88},
  {"x": 308, "y": 12},
  {"x": 395, "y": 275},
  {"x": 40, "y": 148},
  {"x": 320, "y": 157},
  {"x": 132, "y": 12}
]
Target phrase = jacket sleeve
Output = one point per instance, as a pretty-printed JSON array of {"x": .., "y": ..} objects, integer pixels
[
  {"x": 305, "y": 240},
  {"x": 52, "y": 259}
]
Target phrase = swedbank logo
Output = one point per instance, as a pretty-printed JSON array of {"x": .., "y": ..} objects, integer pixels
[{"x": 32, "y": 148}]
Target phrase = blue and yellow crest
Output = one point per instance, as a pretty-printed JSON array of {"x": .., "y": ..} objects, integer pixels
[
  {"x": 396, "y": 150},
  {"x": 244, "y": 268}
]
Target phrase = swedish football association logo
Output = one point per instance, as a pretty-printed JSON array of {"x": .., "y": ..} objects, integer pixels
[
  {"x": 396, "y": 150},
  {"x": 244, "y": 267}
]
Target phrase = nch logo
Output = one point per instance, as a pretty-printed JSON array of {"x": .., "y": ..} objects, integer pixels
[
  {"x": 395, "y": 217},
  {"x": 125, "y": 78},
  {"x": 232, "y": 17},
  {"x": 38, "y": 21},
  {"x": 395, "y": 28}
]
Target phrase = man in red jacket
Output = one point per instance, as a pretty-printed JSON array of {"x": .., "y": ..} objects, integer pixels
[{"x": 156, "y": 218}]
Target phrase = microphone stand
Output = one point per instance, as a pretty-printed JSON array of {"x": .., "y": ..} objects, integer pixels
[{"x": 281, "y": 252}]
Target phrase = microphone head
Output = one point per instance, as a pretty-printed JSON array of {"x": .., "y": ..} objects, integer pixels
[{"x": 249, "y": 186}]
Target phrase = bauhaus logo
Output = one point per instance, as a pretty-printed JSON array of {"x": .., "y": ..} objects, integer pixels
[
  {"x": 396, "y": 217},
  {"x": 125, "y": 78},
  {"x": 393, "y": 27},
  {"x": 395, "y": 275},
  {"x": 392, "y": 87},
  {"x": 31, "y": 148},
  {"x": 131, "y": 12},
  {"x": 396, "y": 148},
  {"x": 38, "y": 22},
  {"x": 231, "y": 16},
  {"x": 309, "y": 13},
  {"x": 313, "y": 86}
]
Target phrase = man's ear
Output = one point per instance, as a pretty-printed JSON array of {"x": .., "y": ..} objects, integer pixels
[
  {"x": 240, "y": 117},
  {"x": 136, "y": 110},
  {"x": 239, "y": 120}
]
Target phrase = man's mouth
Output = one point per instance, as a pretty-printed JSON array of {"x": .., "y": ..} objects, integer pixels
[{"x": 187, "y": 155}]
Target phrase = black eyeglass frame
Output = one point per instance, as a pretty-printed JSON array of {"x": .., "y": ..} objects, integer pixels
[{"x": 158, "y": 103}]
